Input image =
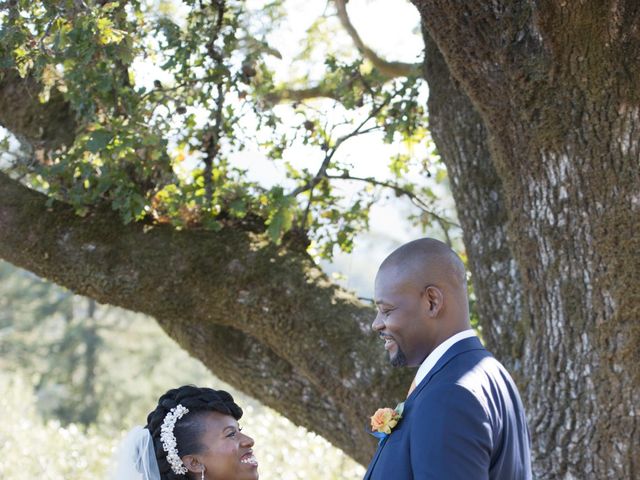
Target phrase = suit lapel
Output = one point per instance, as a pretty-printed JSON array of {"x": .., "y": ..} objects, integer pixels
[{"x": 367, "y": 476}]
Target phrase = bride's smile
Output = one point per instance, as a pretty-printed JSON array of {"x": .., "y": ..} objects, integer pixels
[{"x": 226, "y": 452}]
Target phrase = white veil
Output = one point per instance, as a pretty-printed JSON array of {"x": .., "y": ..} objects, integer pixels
[{"x": 135, "y": 458}]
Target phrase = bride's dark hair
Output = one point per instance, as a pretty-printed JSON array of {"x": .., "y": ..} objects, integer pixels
[{"x": 189, "y": 429}]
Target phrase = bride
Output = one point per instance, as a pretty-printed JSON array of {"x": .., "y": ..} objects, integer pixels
[{"x": 193, "y": 434}]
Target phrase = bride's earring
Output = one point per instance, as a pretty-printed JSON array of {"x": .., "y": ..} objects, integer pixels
[{"x": 202, "y": 477}]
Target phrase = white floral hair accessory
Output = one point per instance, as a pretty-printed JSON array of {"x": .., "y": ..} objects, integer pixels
[{"x": 168, "y": 440}]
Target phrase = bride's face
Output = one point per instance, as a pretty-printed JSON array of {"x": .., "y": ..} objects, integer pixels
[{"x": 227, "y": 453}]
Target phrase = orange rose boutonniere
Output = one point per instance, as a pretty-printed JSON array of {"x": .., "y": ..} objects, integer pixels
[{"x": 385, "y": 420}]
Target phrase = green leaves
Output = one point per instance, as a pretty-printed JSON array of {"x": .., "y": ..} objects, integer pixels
[
  {"x": 98, "y": 140},
  {"x": 281, "y": 215},
  {"x": 106, "y": 31},
  {"x": 163, "y": 101}
]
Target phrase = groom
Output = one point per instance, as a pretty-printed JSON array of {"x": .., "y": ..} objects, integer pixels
[{"x": 463, "y": 418}]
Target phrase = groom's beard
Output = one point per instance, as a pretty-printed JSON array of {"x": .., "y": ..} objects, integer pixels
[{"x": 399, "y": 359}]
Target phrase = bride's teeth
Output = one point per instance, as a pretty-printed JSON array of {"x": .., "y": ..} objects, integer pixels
[{"x": 249, "y": 460}]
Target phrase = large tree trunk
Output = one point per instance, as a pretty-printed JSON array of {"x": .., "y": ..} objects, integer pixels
[
  {"x": 461, "y": 138},
  {"x": 555, "y": 192}
]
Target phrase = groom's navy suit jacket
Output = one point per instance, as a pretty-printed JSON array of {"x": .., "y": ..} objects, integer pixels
[{"x": 463, "y": 421}]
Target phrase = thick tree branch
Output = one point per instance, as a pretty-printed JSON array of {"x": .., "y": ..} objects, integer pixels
[
  {"x": 387, "y": 68},
  {"x": 211, "y": 291},
  {"x": 298, "y": 95},
  {"x": 461, "y": 137}
]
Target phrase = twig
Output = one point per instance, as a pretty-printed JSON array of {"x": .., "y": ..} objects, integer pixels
[
  {"x": 306, "y": 210},
  {"x": 403, "y": 191},
  {"x": 41, "y": 46},
  {"x": 213, "y": 143},
  {"x": 322, "y": 171},
  {"x": 388, "y": 69}
]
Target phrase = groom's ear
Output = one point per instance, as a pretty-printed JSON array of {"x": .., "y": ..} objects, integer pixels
[{"x": 434, "y": 300}]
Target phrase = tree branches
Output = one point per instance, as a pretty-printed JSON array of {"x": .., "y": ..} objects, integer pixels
[
  {"x": 388, "y": 69},
  {"x": 332, "y": 147}
]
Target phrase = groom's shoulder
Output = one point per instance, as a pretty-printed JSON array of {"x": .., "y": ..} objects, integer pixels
[
  {"x": 473, "y": 359},
  {"x": 471, "y": 367},
  {"x": 471, "y": 370},
  {"x": 474, "y": 376}
]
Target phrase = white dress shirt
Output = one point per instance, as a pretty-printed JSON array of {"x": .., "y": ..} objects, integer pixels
[{"x": 438, "y": 352}]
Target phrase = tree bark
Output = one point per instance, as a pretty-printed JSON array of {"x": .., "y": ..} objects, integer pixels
[
  {"x": 556, "y": 87},
  {"x": 461, "y": 138}
]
